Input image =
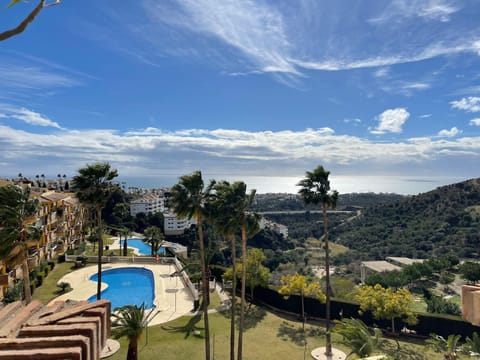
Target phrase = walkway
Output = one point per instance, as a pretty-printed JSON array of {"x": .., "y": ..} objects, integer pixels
[{"x": 172, "y": 298}]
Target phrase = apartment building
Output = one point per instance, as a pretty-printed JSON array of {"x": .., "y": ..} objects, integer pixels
[
  {"x": 149, "y": 204},
  {"x": 175, "y": 226},
  {"x": 60, "y": 217}
]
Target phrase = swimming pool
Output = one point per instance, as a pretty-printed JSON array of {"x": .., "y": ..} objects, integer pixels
[
  {"x": 127, "y": 286},
  {"x": 142, "y": 247}
]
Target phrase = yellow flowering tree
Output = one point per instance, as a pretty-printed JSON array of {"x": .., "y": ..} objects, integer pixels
[
  {"x": 297, "y": 285},
  {"x": 387, "y": 303}
]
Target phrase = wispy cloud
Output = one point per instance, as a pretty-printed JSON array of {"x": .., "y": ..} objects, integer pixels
[
  {"x": 353, "y": 121},
  {"x": 382, "y": 72},
  {"x": 439, "y": 10},
  {"x": 27, "y": 74},
  {"x": 449, "y": 133},
  {"x": 425, "y": 116},
  {"x": 469, "y": 104},
  {"x": 475, "y": 122},
  {"x": 255, "y": 37},
  {"x": 391, "y": 120},
  {"x": 27, "y": 116}
]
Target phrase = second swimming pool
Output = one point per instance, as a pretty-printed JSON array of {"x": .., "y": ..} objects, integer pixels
[{"x": 142, "y": 247}]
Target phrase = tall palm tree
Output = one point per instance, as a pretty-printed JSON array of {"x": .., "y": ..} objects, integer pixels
[
  {"x": 93, "y": 186},
  {"x": 189, "y": 198},
  {"x": 224, "y": 215},
  {"x": 130, "y": 321},
  {"x": 316, "y": 191},
  {"x": 15, "y": 209},
  {"x": 248, "y": 222},
  {"x": 234, "y": 215}
]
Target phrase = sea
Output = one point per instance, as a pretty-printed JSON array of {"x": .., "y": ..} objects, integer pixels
[{"x": 404, "y": 185}]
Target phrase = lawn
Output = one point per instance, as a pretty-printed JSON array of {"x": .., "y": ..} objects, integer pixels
[
  {"x": 268, "y": 337},
  {"x": 49, "y": 289}
]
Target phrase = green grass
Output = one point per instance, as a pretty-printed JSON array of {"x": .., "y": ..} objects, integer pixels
[
  {"x": 267, "y": 337},
  {"x": 49, "y": 289}
]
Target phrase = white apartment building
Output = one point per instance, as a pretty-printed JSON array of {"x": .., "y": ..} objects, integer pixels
[
  {"x": 175, "y": 226},
  {"x": 148, "y": 203},
  {"x": 278, "y": 228}
]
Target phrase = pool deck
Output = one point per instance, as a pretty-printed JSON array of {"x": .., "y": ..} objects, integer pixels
[{"x": 172, "y": 298}]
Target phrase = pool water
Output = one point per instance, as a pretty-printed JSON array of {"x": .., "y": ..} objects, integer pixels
[
  {"x": 143, "y": 247},
  {"x": 127, "y": 286}
]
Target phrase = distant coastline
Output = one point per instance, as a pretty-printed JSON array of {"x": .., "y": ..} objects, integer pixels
[{"x": 405, "y": 185}]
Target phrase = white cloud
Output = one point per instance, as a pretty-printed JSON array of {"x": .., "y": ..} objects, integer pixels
[
  {"x": 27, "y": 74},
  {"x": 219, "y": 151},
  {"x": 449, "y": 133},
  {"x": 439, "y": 10},
  {"x": 469, "y": 104},
  {"x": 475, "y": 122},
  {"x": 27, "y": 116},
  {"x": 391, "y": 120},
  {"x": 416, "y": 86},
  {"x": 382, "y": 72},
  {"x": 253, "y": 36},
  {"x": 425, "y": 116},
  {"x": 354, "y": 121}
]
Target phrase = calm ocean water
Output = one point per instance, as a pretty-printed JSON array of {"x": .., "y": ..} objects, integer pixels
[{"x": 407, "y": 185}]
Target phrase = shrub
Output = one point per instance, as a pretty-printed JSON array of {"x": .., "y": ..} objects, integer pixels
[
  {"x": 46, "y": 270},
  {"x": 13, "y": 293},
  {"x": 51, "y": 264},
  {"x": 358, "y": 336},
  {"x": 63, "y": 286},
  {"x": 33, "y": 274},
  {"x": 40, "y": 277}
]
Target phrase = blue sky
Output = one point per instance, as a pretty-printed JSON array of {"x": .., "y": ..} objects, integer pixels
[{"x": 243, "y": 87}]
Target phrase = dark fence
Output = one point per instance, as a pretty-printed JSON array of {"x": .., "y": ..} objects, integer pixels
[{"x": 443, "y": 325}]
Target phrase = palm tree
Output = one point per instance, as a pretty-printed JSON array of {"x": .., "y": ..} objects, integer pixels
[
  {"x": 15, "y": 209},
  {"x": 224, "y": 215},
  {"x": 130, "y": 321},
  {"x": 125, "y": 232},
  {"x": 188, "y": 200},
  {"x": 316, "y": 191},
  {"x": 236, "y": 203},
  {"x": 154, "y": 237},
  {"x": 93, "y": 186}
]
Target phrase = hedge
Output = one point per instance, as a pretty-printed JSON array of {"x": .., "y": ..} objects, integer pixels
[{"x": 443, "y": 325}]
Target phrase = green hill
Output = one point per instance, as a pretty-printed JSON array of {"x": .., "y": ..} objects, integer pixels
[{"x": 443, "y": 220}]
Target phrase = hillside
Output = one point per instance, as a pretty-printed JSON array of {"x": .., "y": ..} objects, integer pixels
[
  {"x": 292, "y": 202},
  {"x": 443, "y": 220}
]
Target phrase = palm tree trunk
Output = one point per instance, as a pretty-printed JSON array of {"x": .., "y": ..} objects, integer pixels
[
  {"x": 100, "y": 252},
  {"x": 205, "y": 287},
  {"x": 234, "y": 299},
  {"x": 132, "y": 353},
  {"x": 328, "y": 339},
  {"x": 125, "y": 246},
  {"x": 242, "y": 300},
  {"x": 26, "y": 279}
]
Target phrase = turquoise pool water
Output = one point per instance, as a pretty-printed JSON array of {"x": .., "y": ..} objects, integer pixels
[
  {"x": 143, "y": 247},
  {"x": 127, "y": 286}
]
